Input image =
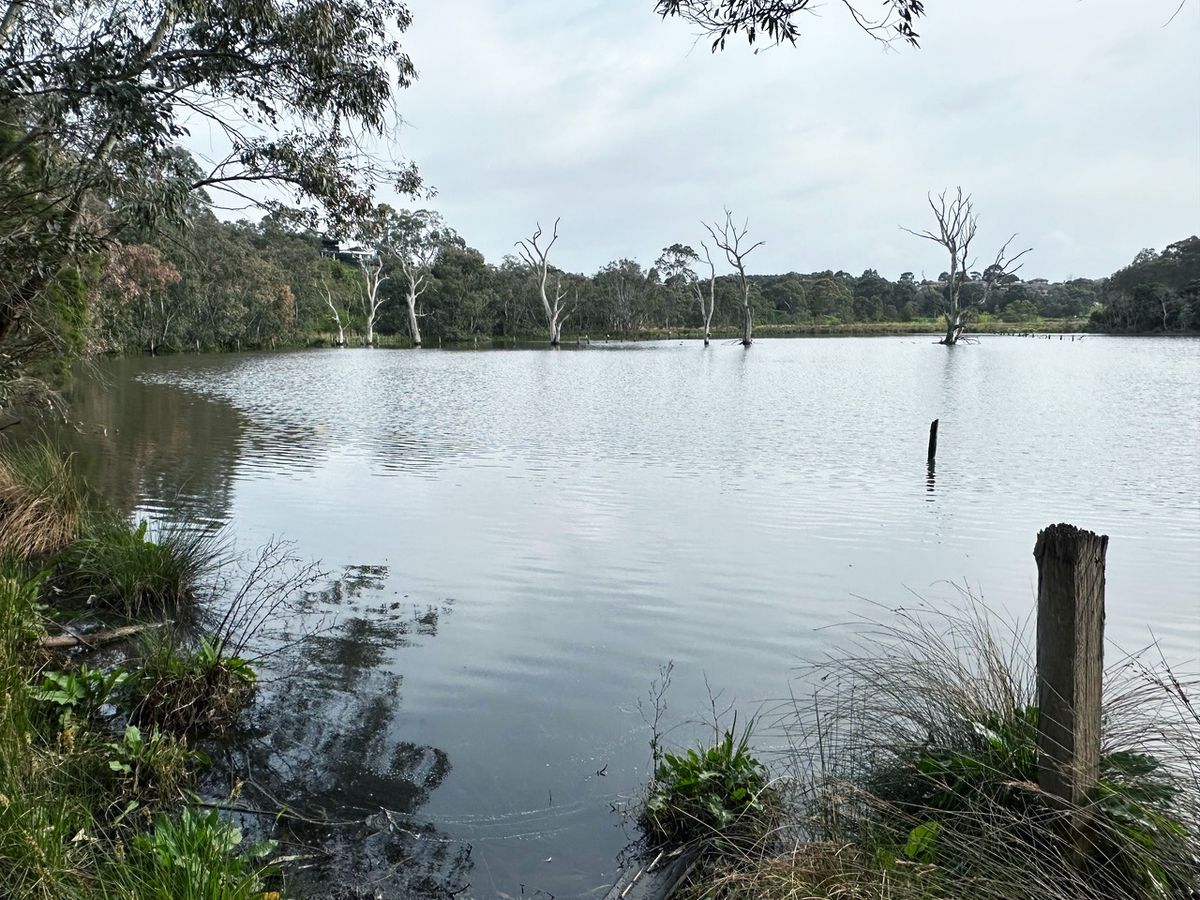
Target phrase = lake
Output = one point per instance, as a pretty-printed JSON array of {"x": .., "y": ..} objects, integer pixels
[{"x": 516, "y": 541}]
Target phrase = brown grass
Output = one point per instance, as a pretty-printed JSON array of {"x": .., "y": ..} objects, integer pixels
[{"x": 41, "y": 501}]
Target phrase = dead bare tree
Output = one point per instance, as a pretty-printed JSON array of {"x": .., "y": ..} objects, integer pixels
[
  {"x": 373, "y": 277},
  {"x": 956, "y": 228},
  {"x": 416, "y": 272},
  {"x": 537, "y": 258},
  {"x": 732, "y": 240},
  {"x": 337, "y": 316},
  {"x": 708, "y": 304}
]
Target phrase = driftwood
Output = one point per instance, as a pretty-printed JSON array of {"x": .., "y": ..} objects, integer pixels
[
  {"x": 660, "y": 879},
  {"x": 68, "y": 640}
]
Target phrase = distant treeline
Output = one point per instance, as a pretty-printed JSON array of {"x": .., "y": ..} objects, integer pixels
[
  {"x": 223, "y": 286},
  {"x": 1157, "y": 292}
]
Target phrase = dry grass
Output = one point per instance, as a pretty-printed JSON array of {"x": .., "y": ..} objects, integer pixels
[{"x": 41, "y": 501}]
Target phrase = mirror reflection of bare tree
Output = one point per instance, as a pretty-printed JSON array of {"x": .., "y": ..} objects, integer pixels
[{"x": 324, "y": 742}]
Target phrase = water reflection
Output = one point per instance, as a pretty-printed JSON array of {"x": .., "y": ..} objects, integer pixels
[
  {"x": 153, "y": 448},
  {"x": 597, "y": 513},
  {"x": 327, "y": 741}
]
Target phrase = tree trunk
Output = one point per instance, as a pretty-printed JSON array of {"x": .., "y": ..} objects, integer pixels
[
  {"x": 954, "y": 330},
  {"x": 414, "y": 327},
  {"x": 370, "y": 332},
  {"x": 748, "y": 322},
  {"x": 68, "y": 640},
  {"x": 341, "y": 341}
]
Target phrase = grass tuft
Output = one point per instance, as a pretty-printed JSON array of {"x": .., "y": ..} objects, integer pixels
[
  {"x": 189, "y": 689},
  {"x": 128, "y": 570},
  {"x": 41, "y": 501}
]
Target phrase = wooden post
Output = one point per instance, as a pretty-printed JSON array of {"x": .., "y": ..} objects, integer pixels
[
  {"x": 933, "y": 427},
  {"x": 1070, "y": 659}
]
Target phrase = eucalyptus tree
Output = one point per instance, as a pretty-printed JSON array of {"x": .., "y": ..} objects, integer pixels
[
  {"x": 624, "y": 286},
  {"x": 95, "y": 95},
  {"x": 415, "y": 240},
  {"x": 370, "y": 298},
  {"x": 675, "y": 268},
  {"x": 537, "y": 260},
  {"x": 776, "y": 20},
  {"x": 733, "y": 241},
  {"x": 463, "y": 301},
  {"x": 128, "y": 303},
  {"x": 955, "y": 230},
  {"x": 336, "y": 312}
]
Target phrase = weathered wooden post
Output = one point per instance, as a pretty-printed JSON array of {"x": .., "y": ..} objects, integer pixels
[
  {"x": 1070, "y": 660},
  {"x": 933, "y": 427}
]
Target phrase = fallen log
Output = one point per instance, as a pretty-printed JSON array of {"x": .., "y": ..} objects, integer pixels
[
  {"x": 659, "y": 879},
  {"x": 95, "y": 638}
]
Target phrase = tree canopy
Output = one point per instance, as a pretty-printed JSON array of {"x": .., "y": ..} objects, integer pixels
[
  {"x": 778, "y": 20},
  {"x": 95, "y": 99}
]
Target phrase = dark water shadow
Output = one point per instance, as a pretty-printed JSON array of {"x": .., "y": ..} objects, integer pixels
[{"x": 324, "y": 742}]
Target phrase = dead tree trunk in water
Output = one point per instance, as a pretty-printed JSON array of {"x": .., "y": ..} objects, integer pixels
[
  {"x": 537, "y": 259},
  {"x": 731, "y": 240},
  {"x": 708, "y": 304},
  {"x": 956, "y": 227},
  {"x": 416, "y": 242},
  {"x": 416, "y": 287},
  {"x": 373, "y": 277}
]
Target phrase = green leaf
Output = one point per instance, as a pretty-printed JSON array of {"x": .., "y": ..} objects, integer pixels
[{"x": 921, "y": 841}]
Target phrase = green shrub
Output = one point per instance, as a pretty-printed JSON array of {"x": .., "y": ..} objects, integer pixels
[
  {"x": 189, "y": 689},
  {"x": 721, "y": 790},
  {"x": 195, "y": 856},
  {"x": 957, "y": 791},
  {"x": 82, "y": 692},
  {"x": 916, "y": 761},
  {"x": 121, "y": 568}
]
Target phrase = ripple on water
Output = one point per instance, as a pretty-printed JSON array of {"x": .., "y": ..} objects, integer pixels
[{"x": 577, "y": 519}]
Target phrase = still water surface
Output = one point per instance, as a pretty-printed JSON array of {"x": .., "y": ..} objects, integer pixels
[{"x": 518, "y": 540}]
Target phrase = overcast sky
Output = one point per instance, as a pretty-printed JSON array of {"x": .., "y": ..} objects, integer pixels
[{"x": 1074, "y": 122}]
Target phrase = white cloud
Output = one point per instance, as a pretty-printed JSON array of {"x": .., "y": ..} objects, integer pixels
[{"x": 1077, "y": 125}]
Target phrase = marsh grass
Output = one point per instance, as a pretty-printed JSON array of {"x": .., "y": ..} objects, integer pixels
[
  {"x": 76, "y": 797},
  {"x": 911, "y": 773},
  {"x": 42, "y": 502},
  {"x": 135, "y": 572},
  {"x": 189, "y": 687}
]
